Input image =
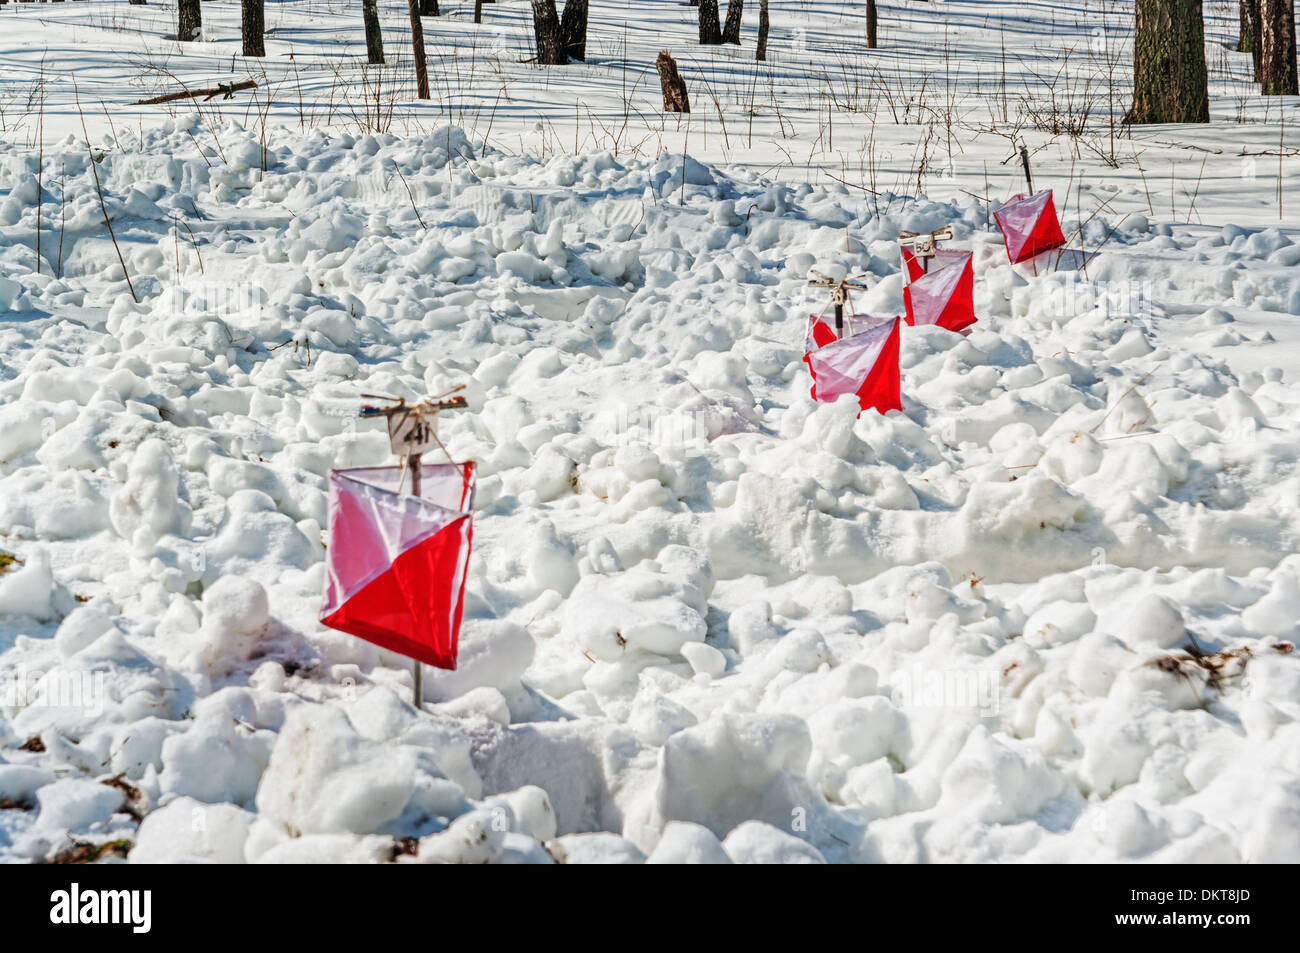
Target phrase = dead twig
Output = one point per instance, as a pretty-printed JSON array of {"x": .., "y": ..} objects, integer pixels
[
  {"x": 99, "y": 190},
  {"x": 1120, "y": 401}
]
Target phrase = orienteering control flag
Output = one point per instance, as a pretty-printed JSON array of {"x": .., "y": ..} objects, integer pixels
[
  {"x": 943, "y": 296},
  {"x": 396, "y": 563},
  {"x": 1029, "y": 225},
  {"x": 865, "y": 364}
]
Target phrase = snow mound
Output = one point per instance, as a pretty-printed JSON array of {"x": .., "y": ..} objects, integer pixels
[{"x": 1045, "y": 612}]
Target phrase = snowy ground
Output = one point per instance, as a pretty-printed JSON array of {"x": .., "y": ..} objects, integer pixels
[{"x": 705, "y": 616}]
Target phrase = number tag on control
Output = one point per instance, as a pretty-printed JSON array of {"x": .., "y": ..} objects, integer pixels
[{"x": 410, "y": 433}]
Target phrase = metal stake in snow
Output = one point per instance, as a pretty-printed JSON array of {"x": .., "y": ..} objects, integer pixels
[
  {"x": 411, "y": 431},
  {"x": 1024, "y": 160},
  {"x": 924, "y": 246},
  {"x": 839, "y": 295}
]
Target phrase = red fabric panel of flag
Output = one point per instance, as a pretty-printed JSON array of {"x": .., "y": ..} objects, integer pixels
[
  {"x": 945, "y": 295},
  {"x": 820, "y": 331},
  {"x": 1029, "y": 225},
  {"x": 396, "y": 563},
  {"x": 865, "y": 364}
]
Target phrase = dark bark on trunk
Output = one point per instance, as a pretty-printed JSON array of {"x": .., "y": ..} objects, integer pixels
[
  {"x": 374, "y": 39},
  {"x": 573, "y": 29},
  {"x": 731, "y": 30},
  {"x": 478, "y": 11},
  {"x": 546, "y": 29},
  {"x": 189, "y": 20},
  {"x": 253, "y": 27},
  {"x": 1256, "y": 40},
  {"x": 429, "y": 8},
  {"x": 1246, "y": 29},
  {"x": 675, "y": 98},
  {"x": 1277, "y": 48},
  {"x": 761, "y": 55},
  {"x": 871, "y": 24},
  {"x": 710, "y": 31},
  {"x": 1169, "y": 77},
  {"x": 417, "y": 50}
]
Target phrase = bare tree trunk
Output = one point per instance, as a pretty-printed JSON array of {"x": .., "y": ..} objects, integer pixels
[
  {"x": 710, "y": 32},
  {"x": 417, "y": 50},
  {"x": 871, "y": 24},
  {"x": 761, "y": 55},
  {"x": 1169, "y": 77},
  {"x": 731, "y": 30},
  {"x": 1246, "y": 14},
  {"x": 429, "y": 8},
  {"x": 374, "y": 39},
  {"x": 253, "y": 27},
  {"x": 675, "y": 98},
  {"x": 189, "y": 20},
  {"x": 573, "y": 29},
  {"x": 1256, "y": 40},
  {"x": 546, "y": 29},
  {"x": 478, "y": 11},
  {"x": 1277, "y": 52}
]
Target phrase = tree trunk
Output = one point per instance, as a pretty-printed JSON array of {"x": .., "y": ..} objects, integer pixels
[
  {"x": 710, "y": 32},
  {"x": 546, "y": 29},
  {"x": 417, "y": 50},
  {"x": 429, "y": 8},
  {"x": 478, "y": 11},
  {"x": 871, "y": 24},
  {"x": 1277, "y": 53},
  {"x": 573, "y": 29},
  {"x": 731, "y": 31},
  {"x": 1256, "y": 40},
  {"x": 374, "y": 39},
  {"x": 761, "y": 55},
  {"x": 189, "y": 20},
  {"x": 253, "y": 27},
  {"x": 1169, "y": 77},
  {"x": 675, "y": 98},
  {"x": 1246, "y": 31}
]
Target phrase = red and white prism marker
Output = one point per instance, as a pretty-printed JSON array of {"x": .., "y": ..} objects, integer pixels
[
  {"x": 1029, "y": 225},
  {"x": 943, "y": 296},
  {"x": 865, "y": 364},
  {"x": 397, "y": 563},
  {"x": 914, "y": 267}
]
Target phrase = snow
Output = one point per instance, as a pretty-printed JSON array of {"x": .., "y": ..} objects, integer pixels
[
  {"x": 707, "y": 620},
  {"x": 72, "y": 804},
  {"x": 191, "y": 831},
  {"x": 754, "y": 842},
  {"x": 683, "y": 842},
  {"x": 26, "y": 591},
  {"x": 596, "y": 848},
  {"x": 325, "y": 778}
]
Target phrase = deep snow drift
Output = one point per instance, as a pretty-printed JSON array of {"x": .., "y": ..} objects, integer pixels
[
  {"x": 1046, "y": 613},
  {"x": 705, "y": 615}
]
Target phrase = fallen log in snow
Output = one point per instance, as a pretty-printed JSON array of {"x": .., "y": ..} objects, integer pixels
[{"x": 224, "y": 90}]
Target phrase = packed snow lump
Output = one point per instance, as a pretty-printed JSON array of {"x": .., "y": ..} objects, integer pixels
[{"x": 1044, "y": 613}]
